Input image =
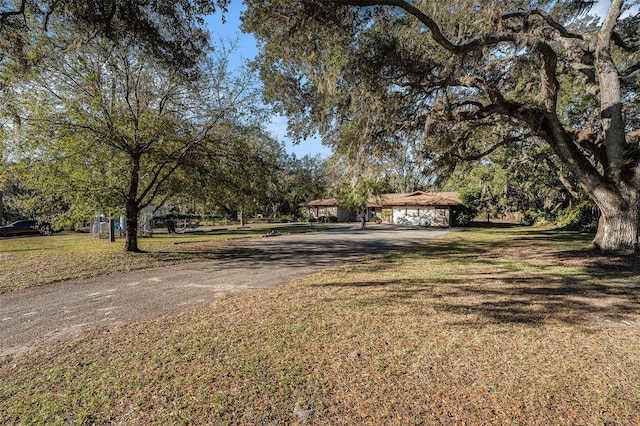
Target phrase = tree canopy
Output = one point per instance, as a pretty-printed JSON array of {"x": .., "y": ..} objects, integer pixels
[
  {"x": 171, "y": 30},
  {"x": 471, "y": 77},
  {"x": 110, "y": 122}
]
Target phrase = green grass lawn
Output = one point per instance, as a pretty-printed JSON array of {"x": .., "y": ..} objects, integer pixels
[
  {"x": 503, "y": 325},
  {"x": 25, "y": 262}
]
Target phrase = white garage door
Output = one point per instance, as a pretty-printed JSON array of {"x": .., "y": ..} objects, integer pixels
[{"x": 413, "y": 216}]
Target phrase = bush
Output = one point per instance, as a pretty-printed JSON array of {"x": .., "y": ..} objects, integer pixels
[
  {"x": 529, "y": 217},
  {"x": 332, "y": 219},
  {"x": 464, "y": 216},
  {"x": 581, "y": 217}
]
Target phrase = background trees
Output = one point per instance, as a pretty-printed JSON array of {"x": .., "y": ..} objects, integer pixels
[
  {"x": 248, "y": 173},
  {"x": 107, "y": 127},
  {"x": 474, "y": 77}
]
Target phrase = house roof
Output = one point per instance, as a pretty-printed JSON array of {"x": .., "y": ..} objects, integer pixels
[{"x": 417, "y": 198}]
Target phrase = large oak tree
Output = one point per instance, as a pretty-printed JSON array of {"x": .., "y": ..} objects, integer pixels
[{"x": 524, "y": 70}]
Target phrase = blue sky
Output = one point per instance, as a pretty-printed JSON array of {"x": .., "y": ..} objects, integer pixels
[{"x": 230, "y": 31}]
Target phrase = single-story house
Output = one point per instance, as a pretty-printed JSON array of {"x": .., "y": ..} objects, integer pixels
[
  {"x": 415, "y": 208},
  {"x": 328, "y": 207},
  {"x": 412, "y": 208}
]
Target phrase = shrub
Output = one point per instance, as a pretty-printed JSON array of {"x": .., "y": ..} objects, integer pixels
[
  {"x": 529, "y": 217},
  {"x": 581, "y": 217},
  {"x": 464, "y": 215}
]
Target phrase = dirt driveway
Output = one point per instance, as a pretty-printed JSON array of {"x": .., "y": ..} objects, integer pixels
[{"x": 34, "y": 317}]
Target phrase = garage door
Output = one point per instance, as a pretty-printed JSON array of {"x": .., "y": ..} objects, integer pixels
[{"x": 413, "y": 216}]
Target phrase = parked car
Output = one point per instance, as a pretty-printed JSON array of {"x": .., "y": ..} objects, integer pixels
[{"x": 25, "y": 227}]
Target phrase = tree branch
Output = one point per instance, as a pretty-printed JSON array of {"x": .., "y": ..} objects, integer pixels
[
  {"x": 493, "y": 92},
  {"x": 611, "y": 19},
  {"x": 479, "y": 155},
  {"x": 630, "y": 70},
  {"x": 508, "y": 109},
  {"x": 548, "y": 19},
  {"x": 618, "y": 41},
  {"x": 562, "y": 177},
  {"x": 48, "y": 13},
  {"x": 437, "y": 34},
  {"x": 587, "y": 141},
  {"x": 549, "y": 80},
  {"x": 4, "y": 16}
]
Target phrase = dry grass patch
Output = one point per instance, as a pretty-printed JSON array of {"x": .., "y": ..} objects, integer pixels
[{"x": 469, "y": 330}]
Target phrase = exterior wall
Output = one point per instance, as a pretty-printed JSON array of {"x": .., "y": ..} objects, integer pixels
[
  {"x": 329, "y": 211},
  {"x": 442, "y": 217},
  {"x": 413, "y": 216},
  {"x": 343, "y": 215},
  {"x": 317, "y": 212},
  {"x": 386, "y": 215},
  {"x": 418, "y": 216}
]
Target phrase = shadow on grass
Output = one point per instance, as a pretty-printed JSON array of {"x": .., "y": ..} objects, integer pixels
[
  {"x": 526, "y": 301},
  {"x": 543, "y": 300},
  {"x": 491, "y": 285}
]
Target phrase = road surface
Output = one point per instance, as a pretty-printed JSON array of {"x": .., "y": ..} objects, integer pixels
[{"x": 34, "y": 317}]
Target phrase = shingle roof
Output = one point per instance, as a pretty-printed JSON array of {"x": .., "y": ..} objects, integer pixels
[{"x": 417, "y": 198}]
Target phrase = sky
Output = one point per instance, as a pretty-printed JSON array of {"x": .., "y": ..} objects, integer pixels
[{"x": 247, "y": 50}]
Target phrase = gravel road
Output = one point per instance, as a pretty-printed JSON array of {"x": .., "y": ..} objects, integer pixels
[{"x": 34, "y": 317}]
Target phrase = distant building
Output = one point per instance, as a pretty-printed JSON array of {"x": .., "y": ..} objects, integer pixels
[
  {"x": 328, "y": 207},
  {"x": 413, "y": 208}
]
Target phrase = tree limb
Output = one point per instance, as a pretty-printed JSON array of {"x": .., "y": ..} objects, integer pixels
[
  {"x": 629, "y": 71},
  {"x": 548, "y": 19},
  {"x": 549, "y": 57},
  {"x": 479, "y": 155},
  {"x": 48, "y": 13},
  {"x": 618, "y": 41},
  {"x": 587, "y": 141},
  {"x": 562, "y": 177},
  {"x": 437, "y": 34},
  {"x": 4, "y": 16}
]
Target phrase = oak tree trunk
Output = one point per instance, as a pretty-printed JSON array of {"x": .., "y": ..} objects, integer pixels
[
  {"x": 618, "y": 226},
  {"x": 131, "y": 240}
]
